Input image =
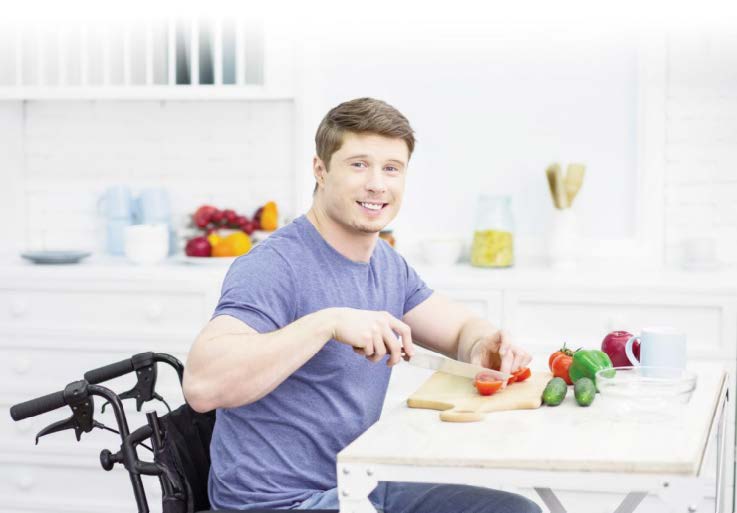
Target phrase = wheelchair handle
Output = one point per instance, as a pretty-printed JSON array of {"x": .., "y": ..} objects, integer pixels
[
  {"x": 39, "y": 405},
  {"x": 137, "y": 361},
  {"x": 110, "y": 371}
]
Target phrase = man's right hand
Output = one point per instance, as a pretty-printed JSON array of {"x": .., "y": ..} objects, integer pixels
[{"x": 373, "y": 334}]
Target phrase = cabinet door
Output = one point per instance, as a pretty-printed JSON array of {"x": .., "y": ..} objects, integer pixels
[
  {"x": 486, "y": 303},
  {"x": 104, "y": 310},
  {"x": 544, "y": 319}
]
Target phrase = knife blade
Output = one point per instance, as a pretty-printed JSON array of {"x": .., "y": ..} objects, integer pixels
[{"x": 443, "y": 364}]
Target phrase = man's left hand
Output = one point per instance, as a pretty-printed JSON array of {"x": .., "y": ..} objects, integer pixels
[{"x": 497, "y": 352}]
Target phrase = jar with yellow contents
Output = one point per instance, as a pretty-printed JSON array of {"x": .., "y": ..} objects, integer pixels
[{"x": 493, "y": 239}]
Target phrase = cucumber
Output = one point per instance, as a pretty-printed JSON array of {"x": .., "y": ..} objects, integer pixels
[
  {"x": 555, "y": 391},
  {"x": 584, "y": 390}
]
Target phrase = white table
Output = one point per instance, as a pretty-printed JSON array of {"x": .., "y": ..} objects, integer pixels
[{"x": 519, "y": 449}]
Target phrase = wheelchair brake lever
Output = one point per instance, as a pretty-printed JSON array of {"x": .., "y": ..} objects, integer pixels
[
  {"x": 81, "y": 420},
  {"x": 143, "y": 390}
]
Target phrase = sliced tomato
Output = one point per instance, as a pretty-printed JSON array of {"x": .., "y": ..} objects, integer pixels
[
  {"x": 488, "y": 387},
  {"x": 519, "y": 375},
  {"x": 522, "y": 374}
]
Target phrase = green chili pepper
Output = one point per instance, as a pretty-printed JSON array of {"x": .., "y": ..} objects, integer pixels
[{"x": 587, "y": 363}]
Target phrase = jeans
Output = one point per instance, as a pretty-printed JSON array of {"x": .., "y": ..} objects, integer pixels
[{"x": 398, "y": 497}]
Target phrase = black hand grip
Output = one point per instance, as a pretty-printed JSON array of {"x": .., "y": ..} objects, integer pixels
[
  {"x": 38, "y": 406},
  {"x": 107, "y": 372}
]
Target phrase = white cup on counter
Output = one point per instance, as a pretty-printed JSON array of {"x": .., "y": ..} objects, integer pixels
[
  {"x": 146, "y": 243},
  {"x": 441, "y": 251}
]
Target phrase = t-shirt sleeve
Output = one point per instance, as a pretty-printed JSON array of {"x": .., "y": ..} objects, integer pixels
[
  {"x": 258, "y": 289},
  {"x": 416, "y": 290}
]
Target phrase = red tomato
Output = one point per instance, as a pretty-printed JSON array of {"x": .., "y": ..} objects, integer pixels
[
  {"x": 562, "y": 350},
  {"x": 560, "y": 366},
  {"x": 519, "y": 375},
  {"x": 522, "y": 374},
  {"x": 488, "y": 387}
]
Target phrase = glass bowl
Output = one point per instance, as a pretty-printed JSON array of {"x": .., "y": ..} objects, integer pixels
[{"x": 646, "y": 392}]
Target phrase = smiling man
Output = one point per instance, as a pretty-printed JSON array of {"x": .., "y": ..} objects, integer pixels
[{"x": 297, "y": 356}]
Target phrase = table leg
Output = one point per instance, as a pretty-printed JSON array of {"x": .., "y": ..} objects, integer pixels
[
  {"x": 628, "y": 504},
  {"x": 720, "y": 458},
  {"x": 551, "y": 500},
  {"x": 355, "y": 483}
]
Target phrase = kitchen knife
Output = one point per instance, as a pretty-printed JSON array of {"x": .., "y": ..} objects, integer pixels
[{"x": 443, "y": 364}]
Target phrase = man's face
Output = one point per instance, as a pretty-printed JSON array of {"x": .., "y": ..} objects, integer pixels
[{"x": 363, "y": 189}]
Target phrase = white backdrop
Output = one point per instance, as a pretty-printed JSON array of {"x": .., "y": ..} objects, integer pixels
[{"x": 491, "y": 110}]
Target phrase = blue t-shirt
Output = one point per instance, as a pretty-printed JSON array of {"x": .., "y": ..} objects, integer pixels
[{"x": 282, "y": 449}]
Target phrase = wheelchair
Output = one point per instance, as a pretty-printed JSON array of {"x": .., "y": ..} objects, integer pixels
[{"x": 179, "y": 440}]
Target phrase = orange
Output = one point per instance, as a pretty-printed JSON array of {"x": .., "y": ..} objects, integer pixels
[
  {"x": 238, "y": 243},
  {"x": 223, "y": 249}
]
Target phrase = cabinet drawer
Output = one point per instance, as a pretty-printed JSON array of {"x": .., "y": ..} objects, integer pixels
[
  {"x": 27, "y": 373},
  {"x": 86, "y": 310},
  {"x": 53, "y": 487},
  {"x": 486, "y": 303},
  {"x": 545, "y": 320},
  {"x": 18, "y": 438}
]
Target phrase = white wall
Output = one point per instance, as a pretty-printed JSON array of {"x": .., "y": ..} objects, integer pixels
[
  {"x": 59, "y": 157},
  {"x": 491, "y": 110},
  {"x": 701, "y": 144}
]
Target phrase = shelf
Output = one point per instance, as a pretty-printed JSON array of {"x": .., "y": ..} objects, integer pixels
[{"x": 163, "y": 92}]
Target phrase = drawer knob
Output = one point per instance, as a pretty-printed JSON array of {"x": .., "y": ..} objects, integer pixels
[
  {"x": 154, "y": 311},
  {"x": 22, "y": 365},
  {"x": 23, "y": 427},
  {"x": 18, "y": 307},
  {"x": 25, "y": 481}
]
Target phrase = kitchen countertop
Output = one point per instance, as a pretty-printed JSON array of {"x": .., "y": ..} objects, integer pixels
[
  {"x": 459, "y": 276},
  {"x": 606, "y": 441}
]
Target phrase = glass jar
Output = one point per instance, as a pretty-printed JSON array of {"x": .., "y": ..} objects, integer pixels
[
  {"x": 493, "y": 244},
  {"x": 388, "y": 235}
]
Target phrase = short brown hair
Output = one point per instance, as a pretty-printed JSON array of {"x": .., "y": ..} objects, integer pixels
[{"x": 362, "y": 115}]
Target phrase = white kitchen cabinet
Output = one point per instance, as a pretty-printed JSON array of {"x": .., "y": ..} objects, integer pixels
[
  {"x": 486, "y": 303},
  {"x": 58, "y": 322},
  {"x": 546, "y": 318}
]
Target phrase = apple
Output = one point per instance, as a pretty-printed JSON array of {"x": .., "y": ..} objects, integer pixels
[
  {"x": 198, "y": 247},
  {"x": 613, "y": 345}
]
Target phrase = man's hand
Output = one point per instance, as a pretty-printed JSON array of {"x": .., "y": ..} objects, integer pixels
[
  {"x": 496, "y": 352},
  {"x": 373, "y": 334}
]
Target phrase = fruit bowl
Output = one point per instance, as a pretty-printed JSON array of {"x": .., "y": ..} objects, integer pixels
[
  {"x": 206, "y": 260},
  {"x": 644, "y": 392}
]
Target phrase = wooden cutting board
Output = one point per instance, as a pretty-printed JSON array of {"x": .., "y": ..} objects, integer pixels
[{"x": 459, "y": 401}]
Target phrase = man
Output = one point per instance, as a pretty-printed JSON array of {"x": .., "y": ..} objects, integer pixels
[{"x": 293, "y": 357}]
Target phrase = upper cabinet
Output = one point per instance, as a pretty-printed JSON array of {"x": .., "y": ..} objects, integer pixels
[{"x": 154, "y": 58}]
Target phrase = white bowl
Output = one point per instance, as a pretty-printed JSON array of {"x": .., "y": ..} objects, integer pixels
[{"x": 441, "y": 251}]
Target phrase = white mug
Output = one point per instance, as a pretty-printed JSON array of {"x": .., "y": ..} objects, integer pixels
[
  {"x": 146, "y": 243},
  {"x": 659, "y": 347}
]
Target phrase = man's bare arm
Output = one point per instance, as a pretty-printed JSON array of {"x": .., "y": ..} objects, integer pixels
[
  {"x": 452, "y": 329},
  {"x": 230, "y": 364},
  {"x": 446, "y": 326}
]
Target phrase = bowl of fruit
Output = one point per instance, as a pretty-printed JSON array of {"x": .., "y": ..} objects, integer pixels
[{"x": 223, "y": 235}]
